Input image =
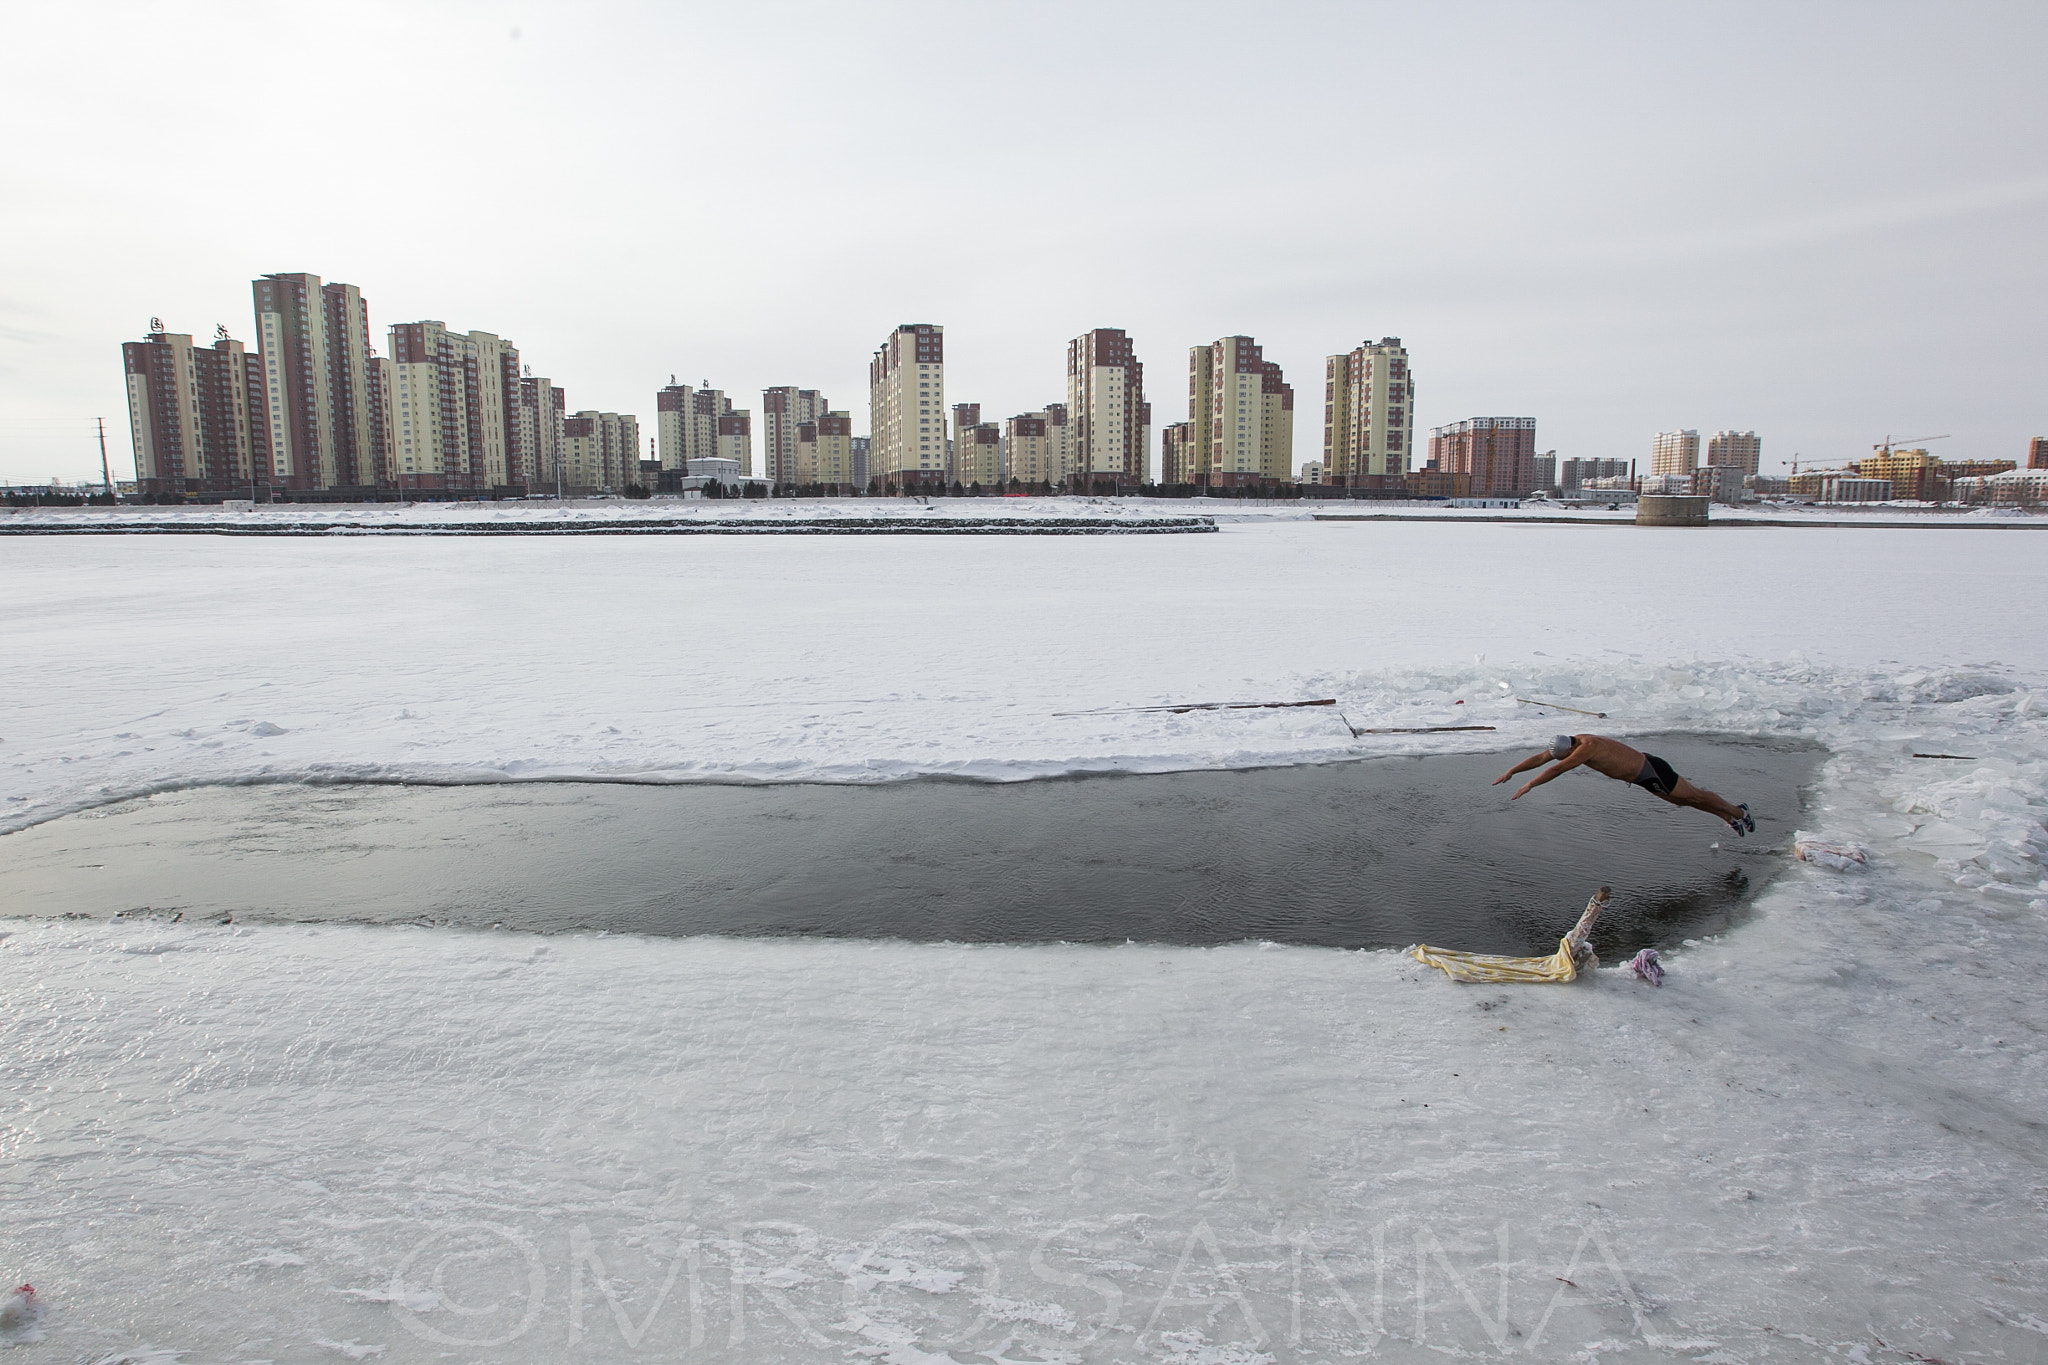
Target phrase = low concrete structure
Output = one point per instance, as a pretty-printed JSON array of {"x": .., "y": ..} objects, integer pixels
[{"x": 1659, "y": 510}]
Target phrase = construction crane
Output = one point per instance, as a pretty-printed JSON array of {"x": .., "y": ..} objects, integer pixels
[{"x": 1887, "y": 444}]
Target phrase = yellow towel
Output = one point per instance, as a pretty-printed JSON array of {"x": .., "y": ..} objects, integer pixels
[
  {"x": 1490, "y": 967},
  {"x": 1574, "y": 955}
]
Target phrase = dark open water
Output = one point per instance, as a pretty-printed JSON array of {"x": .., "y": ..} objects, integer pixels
[{"x": 1379, "y": 853}]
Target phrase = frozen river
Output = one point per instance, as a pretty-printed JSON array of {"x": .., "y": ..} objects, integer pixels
[{"x": 1826, "y": 1136}]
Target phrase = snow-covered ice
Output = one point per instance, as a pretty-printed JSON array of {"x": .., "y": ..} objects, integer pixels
[{"x": 1826, "y": 1136}]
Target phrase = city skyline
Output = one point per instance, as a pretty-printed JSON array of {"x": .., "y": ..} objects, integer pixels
[
  {"x": 1841, "y": 263},
  {"x": 316, "y": 407}
]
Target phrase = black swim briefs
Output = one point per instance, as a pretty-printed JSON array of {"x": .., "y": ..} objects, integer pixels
[{"x": 1657, "y": 778}]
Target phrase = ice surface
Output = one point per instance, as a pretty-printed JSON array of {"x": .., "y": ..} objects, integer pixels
[
  {"x": 1826, "y": 1136},
  {"x": 136, "y": 664}
]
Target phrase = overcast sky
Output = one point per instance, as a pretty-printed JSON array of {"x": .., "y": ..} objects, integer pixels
[{"x": 1826, "y": 222}]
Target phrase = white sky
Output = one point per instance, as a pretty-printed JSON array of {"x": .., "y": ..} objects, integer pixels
[{"x": 1822, "y": 221}]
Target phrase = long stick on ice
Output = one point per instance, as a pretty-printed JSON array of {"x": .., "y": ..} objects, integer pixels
[
  {"x": 1412, "y": 729},
  {"x": 1201, "y": 706},
  {"x": 1597, "y": 715}
]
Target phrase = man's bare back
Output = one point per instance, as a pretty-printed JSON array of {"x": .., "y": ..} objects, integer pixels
[{"x": 1612, "y": 758}]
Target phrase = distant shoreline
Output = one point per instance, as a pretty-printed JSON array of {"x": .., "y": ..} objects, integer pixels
[
  {"x": 1953, "y": 522},
  {"x": 842, "y": 526}
]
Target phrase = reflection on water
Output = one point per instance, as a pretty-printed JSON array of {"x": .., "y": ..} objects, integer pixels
[{"x": 1383, "y": 852}]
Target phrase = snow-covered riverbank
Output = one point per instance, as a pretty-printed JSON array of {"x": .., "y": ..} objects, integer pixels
[{"x": 1827, "y": 1135}]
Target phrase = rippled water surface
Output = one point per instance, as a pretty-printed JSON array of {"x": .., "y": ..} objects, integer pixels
[{"x": 1382, "y": 852}]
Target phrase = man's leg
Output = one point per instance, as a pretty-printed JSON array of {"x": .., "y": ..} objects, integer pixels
[{"x": 1699, "y": 798}]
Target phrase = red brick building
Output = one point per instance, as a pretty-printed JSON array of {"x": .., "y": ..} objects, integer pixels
[{"x": 1498, "y": 454}]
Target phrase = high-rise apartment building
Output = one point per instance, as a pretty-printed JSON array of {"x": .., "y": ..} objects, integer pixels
[
  {"x": 1241, "y": 413},
  {"x": 196, "y": 415},
  {"x": 1740, "y": 449},
  {"x": 1543, "y": 472},
  {"x": 736, "y": 438},
  {"x": 1576, "y": 473},
  {"x": 454, "y": 409},
  {"x": 600, "y": 451},
  {"x": 687, "y": 424},
  {"x": 977, "y": 448},
  {"x": 803, "y": 460},
  {"x": 1111, "y": 421},
  {"x": 327, "y": 423},
  {"x": 907, "y": 407},
  {"x": 1675, "y": 452},
  {"x": 783, "y": 409},
  {"x": 626, "y": 454},
  {"x": 1498, "y": 454},
  {"x": 1059, "y": 443},
  {"x": 824, "y": 452},
  {"x": 542, "y": 410},
  {"x": 861, "y": 446},
  {"x": 1368, "y": 413},
  {"x": 1177, "y": 457},
  {"x": 2037, "y": 453},
  {"x": 1028, "y": 455}
]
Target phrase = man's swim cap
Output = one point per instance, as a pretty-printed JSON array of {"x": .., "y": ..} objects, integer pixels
[{"x": 1562, "y": 746}]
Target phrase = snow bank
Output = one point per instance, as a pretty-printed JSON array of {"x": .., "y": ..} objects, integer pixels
[{"x": 1825, "y": 1135}]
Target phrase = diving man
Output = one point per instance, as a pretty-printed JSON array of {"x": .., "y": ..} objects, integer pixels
[{"x": 1612, "y": 758}]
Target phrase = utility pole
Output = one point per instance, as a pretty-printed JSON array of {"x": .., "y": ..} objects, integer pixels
[{"x": 106, "y": 475}]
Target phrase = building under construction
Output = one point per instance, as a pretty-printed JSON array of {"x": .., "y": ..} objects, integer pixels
[{"x": 1918, "y": 476}]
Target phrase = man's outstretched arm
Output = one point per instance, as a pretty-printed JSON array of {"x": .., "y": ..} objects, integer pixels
[
  {"x": 1562, "y": 766},
  {"x": 1532, "y": 761}
]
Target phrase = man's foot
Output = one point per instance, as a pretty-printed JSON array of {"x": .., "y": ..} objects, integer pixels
[{"x": 1742, "y": 824}]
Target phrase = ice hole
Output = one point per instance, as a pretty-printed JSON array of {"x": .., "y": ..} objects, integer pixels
[{"x": 1374, "y": 853}]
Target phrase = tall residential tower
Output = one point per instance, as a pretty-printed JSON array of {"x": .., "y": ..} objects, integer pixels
[
  {"x": 1110, "y": 421},
  {"x": 542, "y": 410},
  {"x": 326, "y": 402},
  {"x": 1240, "y": 415},
  {"x": 687, "y": 425},
  {"x": 1674, "y": 452},
  {"x": 783, "y": 410},
  {"x": 196, "y": 414},
  {"x": 1497, "y": 454},
  {"x": 1741, "y": 449},
  {"x": 977, "y": 449},
  {"x": 600, "y": 451},
  {"x": 824, "y": 453},
  {"x": 1368, "y": 413},
  {"x": 907, "y": 407},
  {"x": 455, "y": 409}
]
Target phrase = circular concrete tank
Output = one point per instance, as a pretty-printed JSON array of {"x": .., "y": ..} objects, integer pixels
[{"x": 1671, "y": 511}]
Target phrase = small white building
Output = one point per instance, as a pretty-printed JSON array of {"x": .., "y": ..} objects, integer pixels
[
  {"x": 725, "y": 471},
  {"x": 1850, "y": 488},
  {"x": 1312, "y": 473},
  {"x": 2013, "y": 488}
]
